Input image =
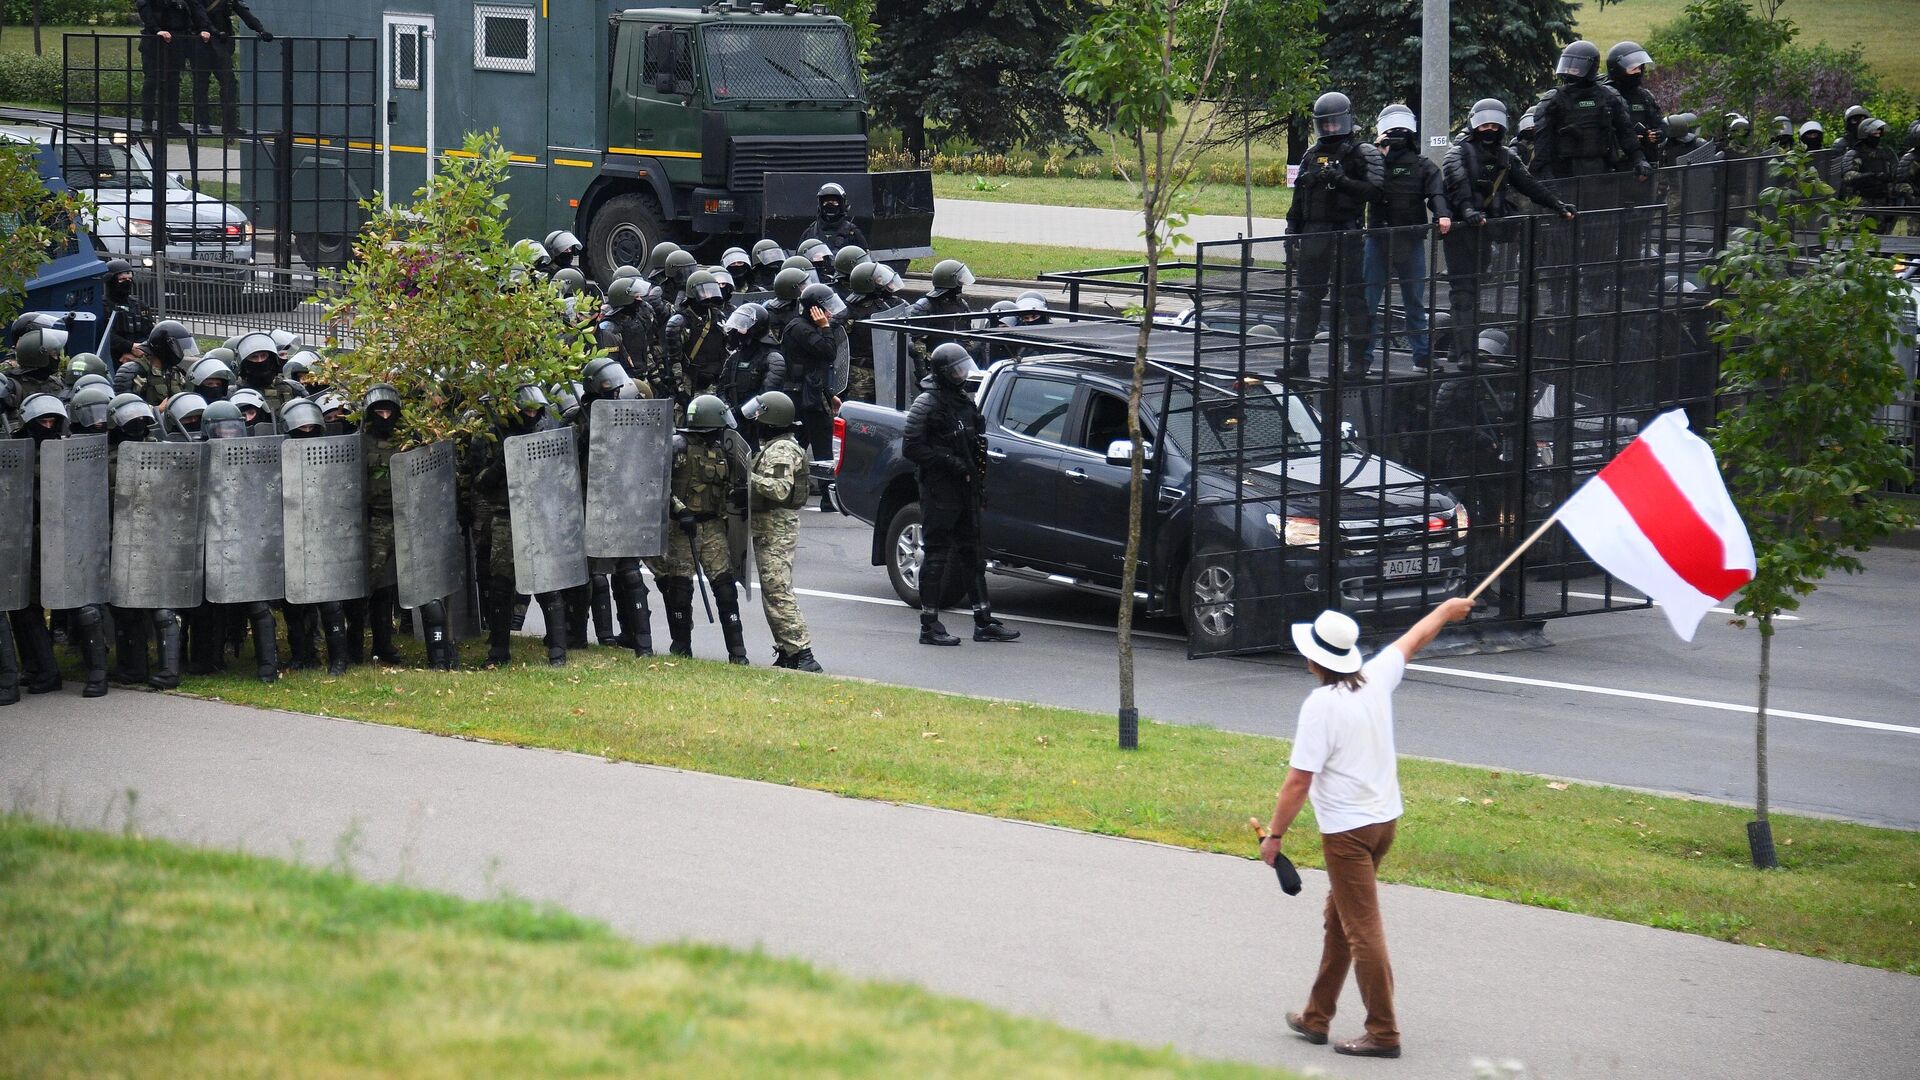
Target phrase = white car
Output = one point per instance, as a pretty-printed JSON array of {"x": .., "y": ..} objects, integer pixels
[{"x": 119, "y": 179}]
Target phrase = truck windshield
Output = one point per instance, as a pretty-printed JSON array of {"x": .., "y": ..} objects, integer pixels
[
  {"x": 747, "y": 62},
  {"x": 1254, "y": 428}
]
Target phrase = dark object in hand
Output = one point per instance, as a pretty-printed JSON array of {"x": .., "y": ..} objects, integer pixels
[{"x": 1289, "y": 877}]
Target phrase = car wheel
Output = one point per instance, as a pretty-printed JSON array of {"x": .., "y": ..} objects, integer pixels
[
  {"x": 623, "y": 233},
  {"x": 1207, "y": 600},
  {"x": 906, "y": 555}
]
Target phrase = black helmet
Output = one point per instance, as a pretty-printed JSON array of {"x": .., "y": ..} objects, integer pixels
[
  {"x": 702, "y": 288},
  {"x": 1813, "y": 134},
  {"x": 823, "y": 296},
  {"x": 1579, "y": 62},
  {"x": 1623, "y": 58},
  {"x": 748, "y": 322},
  {"x": 1332, "y": 115},
  {"x": 952, "y": 362},
  {"x": 1855, "y": 114},
  {"x": 788, "y": 284},
  {"x": 173, "y": 342},
  {"x": 1395, "y": 118},
  {"x": 833, "y": 202},
  {"x": 1488, "y": 111},
  {"x": 1872, "y": 128},
  {"x": 381, "y": 394},
  {"x": 116, "y": 267},
  {"x": 223, "y": 420}
]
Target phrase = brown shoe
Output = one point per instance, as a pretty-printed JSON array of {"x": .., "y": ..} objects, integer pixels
[
  {"x": 1364, "y": 1046},
  {"x": 1299, "y": 1025}
]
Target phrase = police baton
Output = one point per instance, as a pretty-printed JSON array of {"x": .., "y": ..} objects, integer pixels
[{"x": 699, "y": 572}]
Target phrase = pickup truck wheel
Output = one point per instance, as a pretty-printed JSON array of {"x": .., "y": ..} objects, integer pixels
[
  {"x": 623, "y": 233},
  {"x": 1207, "y": 589},
  {"x": 906, "y": 555},
  {"x": 322, "y": 250}
]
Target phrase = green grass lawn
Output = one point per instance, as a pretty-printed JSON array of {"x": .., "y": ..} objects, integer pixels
[
  {"x": 1023, "y": 262},
  {"x": 1270, "y": 202},
  {"x": 18, "y": 40},
  {"x": 1882, "y": 26},
  {"x": 129, "y": 957},
  {"x": 1846, "y": 891}
]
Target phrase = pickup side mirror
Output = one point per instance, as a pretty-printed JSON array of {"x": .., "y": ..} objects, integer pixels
[{"x": 1120, "y": 452}]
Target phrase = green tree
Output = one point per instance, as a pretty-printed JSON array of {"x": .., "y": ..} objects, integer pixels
[
  {"x": 33, "y": 222},
  {"x": 440, "y": 305},
  {"x": 1148, "y": 69},
  {"x": 1269, "y": 64},
  {"x": 983, "y": 70},
  {"x": 1810, "y": 310}
]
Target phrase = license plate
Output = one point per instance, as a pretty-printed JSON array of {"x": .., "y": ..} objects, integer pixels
[{"x": 1413, "y": 566}]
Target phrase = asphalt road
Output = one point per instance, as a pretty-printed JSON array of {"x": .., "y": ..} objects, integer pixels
[{"x": 1851, "y": 659}]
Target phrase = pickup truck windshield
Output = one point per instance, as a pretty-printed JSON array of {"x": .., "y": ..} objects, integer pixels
[
  {"x": 1255, "y": 428},
  {"x": 780, "y": 63},
  {"x": 105, "y": 167}
]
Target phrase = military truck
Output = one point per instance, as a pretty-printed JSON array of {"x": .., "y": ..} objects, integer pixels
[{"x": 628, "y": 123}]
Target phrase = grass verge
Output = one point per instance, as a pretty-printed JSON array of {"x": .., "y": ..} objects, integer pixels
[
  {"x": 1879, "y": 27},
  {"x": 128, "y": 957},
  {"x": 1023, "y": 262},
  {"x": 1845, "y": 891},
  {"x": 1228, "y": 199}
]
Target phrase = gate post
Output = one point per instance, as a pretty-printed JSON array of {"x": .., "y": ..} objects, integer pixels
[{"x": 283, "y": 163}]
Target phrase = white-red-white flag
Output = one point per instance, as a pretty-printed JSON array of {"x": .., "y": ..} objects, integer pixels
[{"x": 1659, "y": 518}]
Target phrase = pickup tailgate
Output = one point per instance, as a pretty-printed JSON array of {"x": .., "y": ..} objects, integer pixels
[{"x": 869, "y": 457}]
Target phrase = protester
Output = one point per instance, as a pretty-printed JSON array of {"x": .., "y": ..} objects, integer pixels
[{"x": 1343, "y": 761}]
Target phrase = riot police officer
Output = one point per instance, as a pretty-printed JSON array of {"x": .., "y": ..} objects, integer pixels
[
  {"x": 302, "y": 418},
  {"x": 1855, "y": 116},
  {"x": 709, "y": 473},
  {"x": 946, "y": 441},
  {"x": 380, "y": 413},
  {"x": 132, "y": 321},
  {"x": 156, "y": 370},
  {"x": 739, "y": 264},
  {"x": 224, "y": 420},
  {"x": 39, "y": 343},
  {"x": 213, "y": 58},
  {"x": 696, "y": 340},
  {"x": 784, "y": 304},
  {"x": 767, "y": 259},
  {"x": 1410, "y": 196},
  {"x": 776, "y": 489},
  {"x": 1339, "y": 176},
  {"x": 834, "y": 225},
  {"x": 871, "y": 289},
  {"x": 1813, "y": 135},
  {"x": 1474, "y": 173},
  {"x": 211, "y": 375},
  {"x": 820, "y": 256},
  {"x": 680, "y": 266},
  {"x": 1585, "y": 127},
  {"x": 754, "y": 362},
  {"x": 847, "y": 259},
  {"x": 1868, "y": 171},
  {"x": 43, "y": 418},
  {"x": 1679, "y": 138},
  {"x": 1627, "y": 66},
  {"x": 811, "y": 342},
  {"x": 168, "y": 33},
  {"x": 488, "y": 465},
  {"x": 613, "y": 583},
  {"x": 626, "y": 329},
  {"x": 132, "y": 420},
  {"x": 563, "y": 248}
]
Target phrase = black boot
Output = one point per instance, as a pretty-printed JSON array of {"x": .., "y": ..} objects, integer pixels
[
  {"x": 167, "y": 634},
  {"x": 678, "y": 594},
  {"x": 553, "y": 611},
  {"x": 988, "y": 628},
  {"x": 206, "y": 641},
  {"x": 302, "y": 647},
  {"x": 726, "y": 597},
  {"x": 575, "y": 605},
  {"x": 39, "y": 671},
  {"x": 356, "y": 626},
  {"x": 440, "y": 651},
  {"x": 520, "y": 602},
  {"x": 93, "y": 646},
  {"x": 803, "y": 661},
  {"x": 499, "y": 623},
  {"x": 131, "y": 630},
  {"x": 603, "y": 628},
  {"x": 636, "y": 622},
  {"x": 266, "y": 646},
  {"x": 931, "y": 632},
  {"x": 333, "y": 624},
  {"x": 9, "y": 664},
  {"x": 380, "y": 614}
]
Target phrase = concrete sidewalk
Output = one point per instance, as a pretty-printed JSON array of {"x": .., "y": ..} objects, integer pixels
[
  {"x": 1133, "y": 940},
  {"x": 1076, "y": 226}
]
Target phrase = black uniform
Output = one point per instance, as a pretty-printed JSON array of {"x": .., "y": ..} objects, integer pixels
[
  {"x": 214, "y": 60},
  {"x": 835, "y": 235},
  {"x": 696, "y": 348},
  {"x": 809, "y": 351},
  {"x": 1338, "y": 177},
  {"x": 1475, "y": 173},
  {"x": 1644, "y": 113},
  {"x": 1411, "y": 196},
  {"x": 1585, "y": 128},
  {"x": 185, "y": 21},
  {"x": 944, "y": 439},
  {"x": 629, "y": 332},
  {"x": 752, "y": 368},
  {"x": 132, "y": 322}
]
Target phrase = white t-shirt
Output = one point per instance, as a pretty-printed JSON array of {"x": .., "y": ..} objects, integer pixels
[{"x": 1345, "y": 740}]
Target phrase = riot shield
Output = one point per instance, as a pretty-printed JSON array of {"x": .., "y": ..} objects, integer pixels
[
  {"x": 889, "y": 359},
  {"x": 245, "y": 540},
  {"x": 429, "y": 552},
  {"x": 74, "y": 534},
  {"x": 157, "y": 559},
  {"x": 549, "y": 527},
  {"x": 629, "y": 478},
  {"x": 16, "y": 523},
  {"x": 740, "y": 525},
  {"x": 324, "y": 497},
  {"x": 842, "y": 361}
]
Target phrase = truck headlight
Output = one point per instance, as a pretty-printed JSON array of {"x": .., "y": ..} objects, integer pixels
[
  {"x": 1460, "y": 521},
  {"x": 1295, "y": 531}
]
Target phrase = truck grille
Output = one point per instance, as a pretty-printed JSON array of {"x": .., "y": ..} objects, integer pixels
[{"x": 751, "y": 157}]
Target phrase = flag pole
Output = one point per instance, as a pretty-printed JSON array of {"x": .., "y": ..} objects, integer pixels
[{"x": 1516, "y": 553}]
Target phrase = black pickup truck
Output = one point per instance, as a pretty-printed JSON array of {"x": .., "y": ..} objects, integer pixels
[{"x": 1234, "y": 502}]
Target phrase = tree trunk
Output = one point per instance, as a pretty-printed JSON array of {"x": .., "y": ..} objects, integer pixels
[
  {"x": 1760, "y": 830},
  {"x": 913, "y": 136},
  {"x": 1129, "y": 716},
  {"x": 36, "y": 27}
]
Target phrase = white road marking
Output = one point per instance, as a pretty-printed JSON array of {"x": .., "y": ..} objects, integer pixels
[
  {"x": 1629, "y": 596},
  {"x": 894, "y": 602},
  {"x": 1642, "y": 695}
]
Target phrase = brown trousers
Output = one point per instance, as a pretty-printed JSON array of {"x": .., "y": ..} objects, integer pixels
[{"x": 1355, "y": 936}]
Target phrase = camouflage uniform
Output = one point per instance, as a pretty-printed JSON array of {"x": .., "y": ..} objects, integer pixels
[
  {"x": 702, "y": 475},
  {"x": 776, "y": 482},
  {"x": 382, "y": 571},
  {"x": 154, "y": 387}
]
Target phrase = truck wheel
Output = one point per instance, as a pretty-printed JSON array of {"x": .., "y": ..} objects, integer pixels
[
  {"x": 623, "y": 233},
  {"x": 906, "y": 554},
  {"x": 319, "y": 250},
  {"x": 1207, "y": 589}
]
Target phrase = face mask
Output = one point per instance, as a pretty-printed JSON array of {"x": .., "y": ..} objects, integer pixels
[
  {"x": 1812, "y": 142},
  {"x": 381, "y": 424},
  {"x": 1489, "y": 138},
  {"x": 1871, "y": 142}
]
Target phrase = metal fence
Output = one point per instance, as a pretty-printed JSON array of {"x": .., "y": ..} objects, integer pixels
[{"x": 218, "y": 299}]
